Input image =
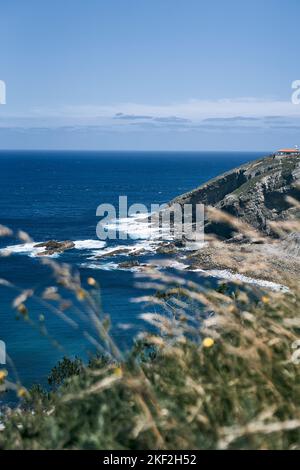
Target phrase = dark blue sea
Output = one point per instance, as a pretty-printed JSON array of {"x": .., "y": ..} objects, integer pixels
[{"x": 54, "y": 195}]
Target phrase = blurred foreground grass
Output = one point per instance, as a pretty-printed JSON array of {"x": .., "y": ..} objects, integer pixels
[{"x": 222, "y": 371}]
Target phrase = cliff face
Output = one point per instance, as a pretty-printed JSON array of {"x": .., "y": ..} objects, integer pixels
[{"x": 255, "y": 192}]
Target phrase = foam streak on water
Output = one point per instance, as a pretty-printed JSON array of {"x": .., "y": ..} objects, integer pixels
[{"x": 228, "y": 275}]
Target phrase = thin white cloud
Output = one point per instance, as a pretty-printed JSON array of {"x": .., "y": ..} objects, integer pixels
[{"x": 192, "y": 111}]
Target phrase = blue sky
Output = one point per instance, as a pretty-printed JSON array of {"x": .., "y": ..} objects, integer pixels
[{"x": 149, "y": 74}]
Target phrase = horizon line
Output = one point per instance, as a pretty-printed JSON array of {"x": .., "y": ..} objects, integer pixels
[{"x": 129, "y": 150}]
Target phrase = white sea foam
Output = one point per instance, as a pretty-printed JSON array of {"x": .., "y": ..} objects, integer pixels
[
  {"x": 158, "y": 264},
  {"x": 174, "y": 264},
  {"x": 139, "y": 227},
  {"x": 102, "y": 266},
  {"x": 24, "y": 249},
  {"x": 89, "y": 244},
  {"x": 144, "y": 246},
  {"x": 111, "y": 266},
  {"x": 147, "y": 226},
  {"x": 226, "y": 274},
  {"x": 30, "y": 249}
]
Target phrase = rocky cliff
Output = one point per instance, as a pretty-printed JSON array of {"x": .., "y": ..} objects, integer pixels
[{"x": 255, "y": 192}]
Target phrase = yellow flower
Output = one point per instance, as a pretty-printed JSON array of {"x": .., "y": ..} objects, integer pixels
[
  {"x": 22, "y": 392},
  {"x": 183, "y": 318},
  {"x": 265, "y": 299},
  {"x": 208, "y": 342},
  {"x": 81, "y": 294},
  {"x": 22, "y": 309},
  {"x": 3, "y": 374},
  {"x": 91, "y": 281},
  {"x": 118, "y": 372}
]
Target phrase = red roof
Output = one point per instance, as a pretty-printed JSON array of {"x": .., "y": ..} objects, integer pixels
[{"x": 289, "y": 150}]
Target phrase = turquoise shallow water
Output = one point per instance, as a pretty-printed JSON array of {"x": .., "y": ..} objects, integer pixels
[{"x": 54, "y": 195}]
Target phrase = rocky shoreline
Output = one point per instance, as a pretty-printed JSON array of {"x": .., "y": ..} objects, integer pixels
[{"x": 257, "y": 194}]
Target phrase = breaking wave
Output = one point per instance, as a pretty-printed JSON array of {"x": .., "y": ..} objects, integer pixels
[{"x": 30, "y": 249}]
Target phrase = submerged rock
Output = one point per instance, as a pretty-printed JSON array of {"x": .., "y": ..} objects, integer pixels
[
  {"x": 129, "y": 264},
  {"x": 116, "y": 252},
  {"x": 167, "y": 249},
  {"x": 53, "y": 247}
]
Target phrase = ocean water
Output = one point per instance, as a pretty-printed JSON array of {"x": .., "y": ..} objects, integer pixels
[{"x": 54, "y": 195}]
